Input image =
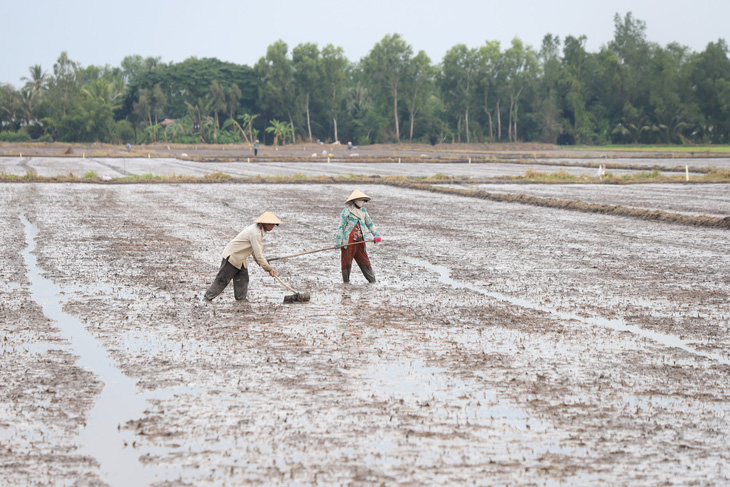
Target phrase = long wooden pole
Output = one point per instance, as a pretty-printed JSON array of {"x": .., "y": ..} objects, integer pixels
[{"x": 318, "y": 250}]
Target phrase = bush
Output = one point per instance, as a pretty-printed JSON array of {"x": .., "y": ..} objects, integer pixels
[
  {"x": 186, "y": 139},
  {"x": 226, "y": 137},
  {"x": 45, "y": 138},
  {"x": 122, "y": 132},
  {"x": 19, "y": 136}
]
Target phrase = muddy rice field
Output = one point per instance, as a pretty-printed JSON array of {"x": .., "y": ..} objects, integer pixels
[{"x": 502, "y": 344}]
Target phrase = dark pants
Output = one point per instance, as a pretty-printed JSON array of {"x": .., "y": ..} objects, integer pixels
[
  {"x": 227, "y": 272},
  {"x": 358, "y": 253}
]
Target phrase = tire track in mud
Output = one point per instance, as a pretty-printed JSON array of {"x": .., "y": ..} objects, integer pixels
[
  {"x": 113, "y": 167},
  {"x": 618, "y": 325},
  {"x": 577, "y": 205}
]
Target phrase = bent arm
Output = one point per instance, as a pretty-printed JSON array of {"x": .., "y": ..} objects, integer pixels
[
  {"x": 258, "y": 254},
  {"x": 371, "y": 226}
]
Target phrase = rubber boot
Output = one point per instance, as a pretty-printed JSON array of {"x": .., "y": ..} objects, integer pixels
[
  {"x": 368, "y": 273},
  {"x": 346, "y": 275}
]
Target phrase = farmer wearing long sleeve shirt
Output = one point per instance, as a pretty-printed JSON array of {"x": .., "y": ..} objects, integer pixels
[
  {"x": 352, "y": 219},
  {"x": 234, "y": 265}
]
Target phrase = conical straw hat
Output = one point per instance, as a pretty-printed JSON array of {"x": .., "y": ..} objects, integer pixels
[
  {"x": 268, "y": 217},
  {"x": 358, "y": 195}
]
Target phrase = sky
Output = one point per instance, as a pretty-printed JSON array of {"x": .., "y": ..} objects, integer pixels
[{"x": 103, "y": 32}]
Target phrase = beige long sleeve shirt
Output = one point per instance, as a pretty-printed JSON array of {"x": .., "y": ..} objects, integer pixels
[{"x": 248, "y": 242}]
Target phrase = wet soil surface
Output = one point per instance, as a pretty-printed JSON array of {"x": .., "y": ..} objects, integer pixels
[
  {"x": 121, "y": 167},
  {"x": 502, "y": 343},
  {"x": 691, "y": 199}
]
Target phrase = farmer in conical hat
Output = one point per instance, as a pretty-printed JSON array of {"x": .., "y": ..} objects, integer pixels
[
  {"x": 235, "y": 258},
  {"x": 352, "y": 219}
]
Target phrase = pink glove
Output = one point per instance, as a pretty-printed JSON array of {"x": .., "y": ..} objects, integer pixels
[{"x": 377, "y": 239}]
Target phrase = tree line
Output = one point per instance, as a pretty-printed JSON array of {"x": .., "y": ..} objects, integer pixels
[{"x": 630, "y": 91}]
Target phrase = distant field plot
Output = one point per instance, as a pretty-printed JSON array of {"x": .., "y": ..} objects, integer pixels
[{"x": 121, "y": 167}]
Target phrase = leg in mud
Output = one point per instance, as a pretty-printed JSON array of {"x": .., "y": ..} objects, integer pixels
[
  {"x": 350, "y": 252},
  {"x": 361, "y": 257},
  {"x": 225, "y": 274},
  {"x": 346, "y": 261},
  {"x": 368, "y": 273},
  {"x": 240, "y": 284}
]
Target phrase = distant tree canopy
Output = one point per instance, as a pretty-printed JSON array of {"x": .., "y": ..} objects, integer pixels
[{"x": 631, "y": 91}]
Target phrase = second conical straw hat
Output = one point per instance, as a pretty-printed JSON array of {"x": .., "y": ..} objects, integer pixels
[{"x": 358, "y": 195}]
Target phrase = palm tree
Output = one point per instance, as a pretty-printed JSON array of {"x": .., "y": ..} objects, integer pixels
[
  {"x": 279, "y": 129},
  {"x": 105, "y": 92},
  {"x": 9, "y": 106},
  {"x": 199, "y": 114},
  {"x": 28, "y": 103},
  {"x": 182, "y": 126},
  {"x": 38, "y": 78},
  {"x": 231, "y": 122},
  {"x": 248, "y": 122}
]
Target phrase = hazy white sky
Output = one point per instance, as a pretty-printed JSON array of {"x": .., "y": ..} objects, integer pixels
[{"x": 103, "y": 32}]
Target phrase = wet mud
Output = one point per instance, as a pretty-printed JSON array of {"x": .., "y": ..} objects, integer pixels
[
  {"x": 632, "y": 211},
  {"x": 502, "y": 343},
  {"x": 689, "y": 199},
  {"x": 315, "y": 167}
]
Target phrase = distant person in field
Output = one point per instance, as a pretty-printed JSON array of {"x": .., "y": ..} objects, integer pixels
[
  {"x": 256, "y": 148},
  {"x": 352, "y": 219},
  {"x": 234, "y": 265}
]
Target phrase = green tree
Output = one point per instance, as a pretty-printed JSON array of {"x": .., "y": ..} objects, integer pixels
[
  {"x": 199, "y": 114},
  {"x": 277, "y": 92},
  {"x": 488, "y": 78},
  {"x": 233, "y": 100},
  {"x": 711, "y": 77},
  {"x": 63, "y": 87},
  {"x": 9, "y": 108},
  {"x": 459, "y": 72},
  {"x": 669, "y": 81},
  {"x": 574, "y": 85},
  {"x": 38, "y": 79},
  {"x": 520, "y": 68},
  {"x": 218, "y": 105},
  {"x": 417, "y": 87},
  {"x": 363, "y": 117},
  {"x": 387, "y": 64},
  {"x": 333, "y": 67},
  {"x": 548, "y": 108},
  {"x": 279, "y": 129},
  {"x": 305, "y": 61},
  {"x": 105, "y": 92},
  {"x": 633, "y": 53}
]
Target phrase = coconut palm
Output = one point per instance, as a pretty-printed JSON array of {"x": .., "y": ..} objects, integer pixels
[
  {"x": 28, "y": 98},
  {"x": 105, "y": 92},
  {"x": 38, "y": 78}
]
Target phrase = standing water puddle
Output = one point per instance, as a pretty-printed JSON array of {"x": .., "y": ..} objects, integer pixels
[
  {"x": 119, "y": 402},
  {"x": 617, "y": 325}
]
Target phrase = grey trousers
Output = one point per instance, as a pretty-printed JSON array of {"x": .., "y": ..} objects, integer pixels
[{"x": 227, "y": 272}]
